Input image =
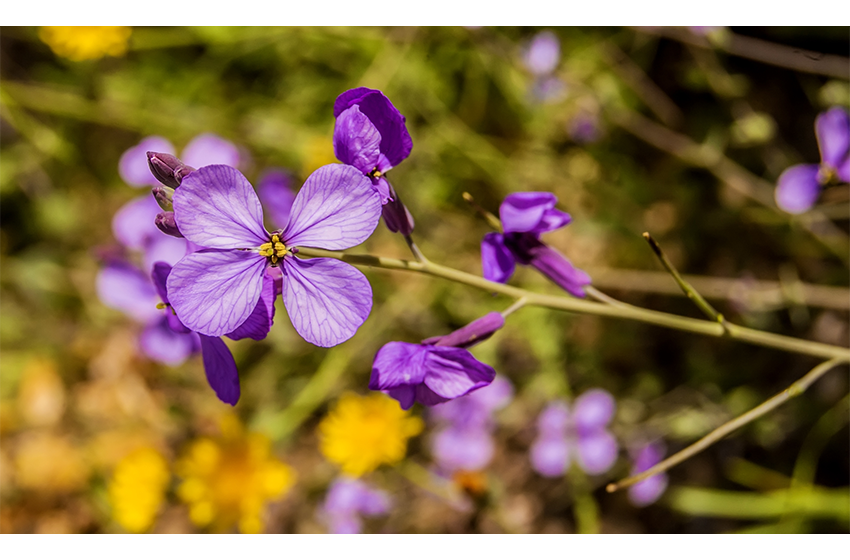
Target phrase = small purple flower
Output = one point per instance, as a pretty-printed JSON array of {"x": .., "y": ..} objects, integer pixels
[
  {"x": 347, "y": 500},
  {"x": 215, "y": 289},
  {"x": 582, "y": 433},
  {"x": 438, "y": 370},
  {"x": 524, "y": 217},
  {"x": 370, "y": 134},
  {"x": 799, "y": 186},
  {"x": 543, "y": 53},
  {"x": 647, "y": 491}
]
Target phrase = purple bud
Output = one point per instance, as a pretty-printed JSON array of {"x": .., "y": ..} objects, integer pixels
[
  {"x": 166, "y": 224},
  {"x": 396, "y": 215},
  {"x": 473, "y": 333},
  {"x": 167, "y": 169},
  {"x": 163, "y": 197}
]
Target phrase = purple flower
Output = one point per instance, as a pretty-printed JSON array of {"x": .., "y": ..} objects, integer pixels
[
  {"x": 347, "y": 500},
  {"x": 647, "y": 491},
  {"x": 799, "y": 186},
  {"x": 582, "y": 433},
  {"x": 543, "y": 53},
  {"x": 370, "y": 134},
  {"x": 438, "y": 370},
  {"x": 215, "y": 289},
  {"x": 524, "y": 217}
]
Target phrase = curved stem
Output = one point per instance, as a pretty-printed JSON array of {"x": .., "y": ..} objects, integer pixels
[{"x": 794, "y": 390}]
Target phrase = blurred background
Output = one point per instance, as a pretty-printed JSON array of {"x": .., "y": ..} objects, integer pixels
[{"x": 681, "y": 132}]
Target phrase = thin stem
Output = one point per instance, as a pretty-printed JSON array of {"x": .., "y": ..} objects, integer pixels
[
  {"x": 491, "y": 220},
  {"x": 518, "y": 304},
  {"x": 604, "y": 298},
  {"x": 689, "y": 290},
  {"x": 796, "y": 388},
  {"x": 415, "y": 250}
]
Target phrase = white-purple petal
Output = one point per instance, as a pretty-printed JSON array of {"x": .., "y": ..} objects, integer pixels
[
  {"x": 550, "y": 456},
  {"x": 133, "y": 165},
  {"x": 213, "y": 292},
  {"x": 356, "y": 140},
  {"x": 260, "y": 321},
  {"x": 543, "y": 53},
  {"x": 164, "y": 248},
  {"x": 832, "y": 129},
  {"x": 275, "y": 191},
  {"x": 597, "y": 451},
  {"x": 217, "y": 207},
  {"x": 164, "y": 345},
  {"x": 554, "y": 419},
  {"x": 497, "y": 261},
  {"x": 327, "y": 300},
  {"x": 209, "y": 149},
  {"x": 124, "y": 287},
  {"x": 593, "y": 410},
  {"x": 649, "y": 490},
  {"x": 133, "y": 224},
  {"x": 337, "y": 208},
  {"x": 459, "y": 449},
  {"x": 798, "y": 188},
  {"x": 220, "y": 369}
]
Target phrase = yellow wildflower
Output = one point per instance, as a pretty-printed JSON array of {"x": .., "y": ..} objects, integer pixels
[
  {"x": 86, "y": 42},
  {"x": 360, "y": 433},
  {"x": 228, "y": 480},
  {"x": 137, "y": 489}
]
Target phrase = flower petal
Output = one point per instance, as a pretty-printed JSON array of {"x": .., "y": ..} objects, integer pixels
[
  {"x": 277, "y": 196},
  {"x": 542, "y": 54},
  {"x": 832, "y": 129},
  {"x": 457, "y": 449},
  {"x": 213, "y": 292},
  {"x": 356, "y": 140},
  {"x": 532, "y": 212},
  {"x": 162, "y": 344},
  {"x": 124, "y": 287},
  {"x": 597, "y": 451},
  {"x": 554, "y": 419},
  {"x": 217, "y": 207},
  {"x": 404, "y": 394},
  {"x": 797, "y": 188},
  {"x": 550, "y": 456},
  {"x": 397, "y": 364},
  {"x": 648, "y": 491},
  {"x": 133, "y": 224},
  {"x": 209, "y": 149},
  {"x": 496, "y": 259},
  {"x": 220, "y": 368},
  {"x": 593, "y": 410},
  {"x": 453, "y": 372},
  {"x": 395, "y": 139},
  {"x": 260, "y": 321},
  {"x": 337, "y": 208},
  {"x": 164, "y": 248},
  {"x": 473, "y": 333},
  {"x": 559, "y": 269},
  {"x": 327, "y": 300},
  {"x": 133, "y": 166}
]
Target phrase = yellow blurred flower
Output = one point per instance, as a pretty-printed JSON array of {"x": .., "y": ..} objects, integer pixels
[
  {"x": 228, "y": 480},
  {"x": 360, "y": 433},
  {"x": 318, "y": 151},
  {"x": 86, "y": 42},
  {"x": 137, "y": 489}
]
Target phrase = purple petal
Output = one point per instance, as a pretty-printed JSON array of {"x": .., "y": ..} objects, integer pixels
[
  {"x": 214, "y": 292},
  {"x": 554, "y": 419},
  {"x": 133, "y": 224},
  {"x": 260, "y": 321},
  {"x": 348, "y": 98},
  {"x": 797, "y": 188},
  {"x": 543, "y": 53},
  {"x": 220, "y": 368},
  {"x": 397, "y": 364},
  {"x": 350, "y": 496},
  {"x": 356, "y": 140},
  {"x": 532, "y": 212},
  {"x": 126, "y": 288},
  {"x": 832, "y": 128},
  {"x": 453, "y": 372},
  {"x": 648, "y": 491},
  {"x": 337, "y": 208},
  {"x": 427, "y": 397},
  {"x": 395, "y": 140},
  {"x": 159, "y": 275},
  {"x": 844, "y": 170},
  {"x": 164, "y": 248},
  {"x": 404, "y": 394},
  {"x": 456, "y": 449},
  {"x": 217, "y": 207},
  {"x": 277, "y": 196},
  {"x": 162, "y": 344},
  {"x": 327, "y": 300},
  {"x": 473, "y": 333},
  {"x": 597, "y": 451},
  {"x": 396, "y": 215},
  {"x": 593, "y": 410},
  {"x": 497, "y": 260},
  {"x": 345, "y": 525},
  {"x": 133, "y": 166},
  {"x": 209, "y": 149},
  {"x": 559, "y": 269},
  {"x": 550, "y": 456}
]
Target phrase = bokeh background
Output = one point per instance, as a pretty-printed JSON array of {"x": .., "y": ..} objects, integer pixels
[{"x": 666, "y": 130}]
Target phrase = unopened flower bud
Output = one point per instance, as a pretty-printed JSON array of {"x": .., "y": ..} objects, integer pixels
[
  {"x": 473, "y": 333},
  {"x": 166, "y": 223},
  {"x": 396, "y": 215},
  {"x": 163, "y": 197},
  {"x": 167, "y": 169}
]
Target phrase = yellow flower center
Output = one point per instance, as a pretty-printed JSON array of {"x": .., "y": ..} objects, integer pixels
[{"x": 275, "y": 250}]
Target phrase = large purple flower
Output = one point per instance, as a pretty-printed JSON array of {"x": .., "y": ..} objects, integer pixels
[
  {"x": 370, "y": 134},
  {"x": 204, "y": 149},
  {"x": 562, "y": 434},
  {"x": 215, "y": 289},
  {"x": 524, "y": 217},
  {"x": 347, "y": 500},
  {"x": 438, "y": 370},
  {"x": 799, "y": 186},
  {"x": 649, "y": 490}
]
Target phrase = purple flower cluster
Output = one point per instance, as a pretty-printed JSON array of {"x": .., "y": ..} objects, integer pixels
[
  {"x": 580, "y": 433},
  {"x": 524, "y": 217},
  {"x": 347, "y": 500},
  {"x": 799, "y": 186}
]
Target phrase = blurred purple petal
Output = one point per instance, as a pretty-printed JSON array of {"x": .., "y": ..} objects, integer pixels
[
  {"x": 217, "y": 207},
  {"x": 327, "y": 300},
  {"x": 337, "y": 208},
  {"x": 497, "y": 260},
  {"x": 584, "y": 128},
  {"x": 832, "y": 129},
  {"x": 220, "y": 369},
  {"x": 550, "y": 456},
  {"x": 164, "y": 248},
  {"x": 260, "y": 321},
  {"x": 648, "y": 491},
  {"x": 133, "y": 166},
  {"x": 356, "y": 140},
  {"x": 554, "y": 419},
  {"x": 597, "y": 451},
  {"x": 593, "y": 410},
  {"x": 214, "y": 292},
  {"x": 543, "y": 53},
  {"x": 458, "y": 449},
  {"x": 133, "y": 224},
  {"x": 277, "y": 196},
  {"x": 209, "y": 149},
  {"x": 798, "y": 188},
  {"x": 162, "y": 344},
  {"x": 124, "y": 287}
]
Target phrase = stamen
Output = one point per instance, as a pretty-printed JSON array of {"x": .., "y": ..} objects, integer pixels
[
  {"x": 161, "y": 305},
  {"x": 266, "y": 250}
]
